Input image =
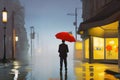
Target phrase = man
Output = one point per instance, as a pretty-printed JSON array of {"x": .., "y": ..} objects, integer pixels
[{"x": 63, "y": 50}]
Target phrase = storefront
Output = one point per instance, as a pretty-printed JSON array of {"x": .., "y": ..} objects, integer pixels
[
  {"x": 101, "y": 47},
  {"x": 78, "y": 50},
  {"x": 100, "y": 35}
]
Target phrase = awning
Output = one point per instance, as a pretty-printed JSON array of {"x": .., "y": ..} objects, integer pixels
[{"x": 109, "y": 14}]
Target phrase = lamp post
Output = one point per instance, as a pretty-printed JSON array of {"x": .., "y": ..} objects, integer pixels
[
  {"x": 13, "y": 37},
  {"x": 4, "y": 20}
]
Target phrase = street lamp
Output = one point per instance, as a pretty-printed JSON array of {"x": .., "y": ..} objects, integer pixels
[
  {"x": 4, "y": 15},
  {"x": 4, "y": 20}
]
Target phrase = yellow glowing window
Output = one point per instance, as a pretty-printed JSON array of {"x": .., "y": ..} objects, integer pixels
[
  {"x": 87, "y": 48},
  {"x": 78, "y": 45},
  {"x": 98, "y": 48},
  {"x": 111, "y": 48}
]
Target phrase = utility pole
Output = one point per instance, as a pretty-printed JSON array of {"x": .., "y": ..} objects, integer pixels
[
  {"x": 32, "y": 36},
  {"x": 75, "y": 23},
  {"x": 13, "y": 39}
]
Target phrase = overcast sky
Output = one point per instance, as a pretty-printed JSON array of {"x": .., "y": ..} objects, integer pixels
[{"x": 49, "y": 17}]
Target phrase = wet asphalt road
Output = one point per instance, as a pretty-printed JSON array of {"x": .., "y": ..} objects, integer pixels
[{"x": 46, "y": 67}]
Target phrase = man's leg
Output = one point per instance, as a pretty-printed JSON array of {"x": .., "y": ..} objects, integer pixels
[
  {"x": 65, "y": 62},
  {"x": 61, "y": 63}
]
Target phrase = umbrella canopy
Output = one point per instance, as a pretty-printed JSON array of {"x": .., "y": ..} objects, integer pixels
[{"x": 65, "y": 36}]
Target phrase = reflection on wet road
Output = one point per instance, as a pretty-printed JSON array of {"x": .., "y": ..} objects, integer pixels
[
  {"x": 95, "y": 71},
  {"x": 63, "y": 76},
  {"x": 46, "y": 67},
  {"x": 15, "y": 72}
]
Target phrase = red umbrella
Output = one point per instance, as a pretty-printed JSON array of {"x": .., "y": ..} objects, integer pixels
[{"x": 65, "y": 36}]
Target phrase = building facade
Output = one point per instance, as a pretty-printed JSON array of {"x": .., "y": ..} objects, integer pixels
[
  {"x": 99, "y": 30},
  {"x": 14, "y": 29}
]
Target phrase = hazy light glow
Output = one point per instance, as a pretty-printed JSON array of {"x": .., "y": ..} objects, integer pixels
[
  {"x": 16, "y": 38},
  {"x": 48, "y": 18},
  {"x": 78, "y": 45}
]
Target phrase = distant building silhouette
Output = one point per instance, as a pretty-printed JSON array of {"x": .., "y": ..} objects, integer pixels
[{"x": 15, "y": 26}]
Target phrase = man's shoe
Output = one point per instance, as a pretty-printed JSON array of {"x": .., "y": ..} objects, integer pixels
[
  {"x": 60, "y": 69},
  {"x": 65, "y": 69}
]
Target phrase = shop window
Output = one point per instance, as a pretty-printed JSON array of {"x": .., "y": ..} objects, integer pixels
[
  {"x": 78, "y": 45},
  {"x": 98, "y": 48},
  {"x": 111, "y": 48}
]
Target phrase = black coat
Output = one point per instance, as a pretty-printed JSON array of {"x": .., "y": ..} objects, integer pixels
[{"x": 63, "y": 50}]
